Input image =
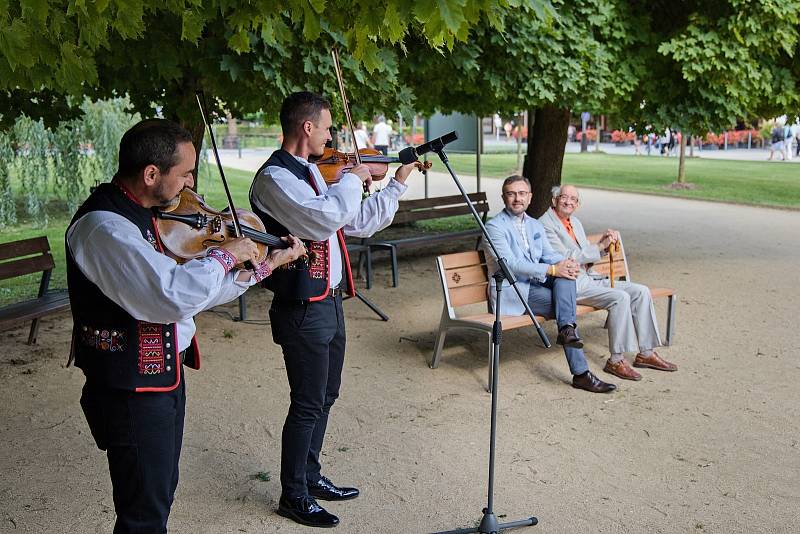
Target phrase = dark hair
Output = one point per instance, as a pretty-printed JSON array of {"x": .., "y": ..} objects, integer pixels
[
  {"x": 300, "y": 107},
  {"x": 515, "y": 178},
  {"x": 151, "y": 142}
]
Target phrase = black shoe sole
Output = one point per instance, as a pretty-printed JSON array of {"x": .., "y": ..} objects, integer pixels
[
  {"x": 595, "y": 390},
  {"x": 288, "y": 514},
  {"x": 332, "y": 499}
]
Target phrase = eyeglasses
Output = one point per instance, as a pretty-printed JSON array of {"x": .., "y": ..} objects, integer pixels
[
  {"x": 513, "y": 194},
  {"x": 566, "y": 198}
]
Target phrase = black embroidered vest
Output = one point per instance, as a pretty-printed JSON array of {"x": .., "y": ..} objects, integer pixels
[
  {"x": 113, "y": 349},
  {"x": 301, "y": 280}
]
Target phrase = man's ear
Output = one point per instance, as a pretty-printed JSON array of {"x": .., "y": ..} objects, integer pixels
[
  {"x": 307, "y": 127},
  {"x": 150, "y": 175}
]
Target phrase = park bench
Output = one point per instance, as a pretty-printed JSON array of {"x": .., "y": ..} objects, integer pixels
[
  {"x": 20, "y": 258},
  {"x": 400, "y": 234},
  {"x": 464, "y": 280}
]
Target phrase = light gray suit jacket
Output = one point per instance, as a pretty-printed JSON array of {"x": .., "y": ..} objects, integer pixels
[
  {"x": 526, "y": 265},
  {"x": 583, "y": 252}
]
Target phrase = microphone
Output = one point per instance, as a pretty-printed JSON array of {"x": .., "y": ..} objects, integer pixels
[{"x": 412, "y": 154}]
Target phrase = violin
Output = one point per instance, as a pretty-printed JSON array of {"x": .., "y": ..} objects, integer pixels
[
  {"x": 189, "y": 227},
  {"x": 333, "y": 164}
]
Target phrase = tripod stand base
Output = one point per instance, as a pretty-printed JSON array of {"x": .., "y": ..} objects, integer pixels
[{"x": 489, "y": 525}]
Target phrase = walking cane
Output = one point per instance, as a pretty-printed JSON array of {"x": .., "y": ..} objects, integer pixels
[{"x": 613, "y": 248}]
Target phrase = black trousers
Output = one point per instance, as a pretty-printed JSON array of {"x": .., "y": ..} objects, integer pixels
[
  {"x": 142, "y": 434},
  {"x": 312, "y": 336}
]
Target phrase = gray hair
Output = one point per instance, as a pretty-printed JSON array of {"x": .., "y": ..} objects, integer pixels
[{"x": 556, "y": 191}]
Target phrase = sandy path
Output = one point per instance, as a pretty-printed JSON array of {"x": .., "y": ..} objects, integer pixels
[{"x": 714, "y": 447}]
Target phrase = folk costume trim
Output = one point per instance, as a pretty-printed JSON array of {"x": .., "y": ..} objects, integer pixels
[
  {"x": 225, "y": 258},
  {"x": 151, "y": 349},
  {"x": 176, "y": 364}
]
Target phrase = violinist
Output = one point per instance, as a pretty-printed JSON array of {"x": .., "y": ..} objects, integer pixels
[
  {"x": 132, "y": 308},
  {"x": 290, "y": 196}
]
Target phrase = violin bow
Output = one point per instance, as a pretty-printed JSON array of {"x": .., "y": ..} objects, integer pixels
[
  {"x": 201, "y": 100},
  {"x": 346, "y": 105}
]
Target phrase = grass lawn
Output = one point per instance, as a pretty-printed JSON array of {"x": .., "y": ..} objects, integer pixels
[{"x": 752, "y": 182}]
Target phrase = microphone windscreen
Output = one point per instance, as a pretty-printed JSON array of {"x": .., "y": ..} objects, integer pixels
[{"x": 407, "y": 155}]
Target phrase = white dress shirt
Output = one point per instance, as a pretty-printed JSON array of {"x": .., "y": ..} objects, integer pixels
[
  {"x": 317, "y": 216},
  {"x": 111, "y": 252}
]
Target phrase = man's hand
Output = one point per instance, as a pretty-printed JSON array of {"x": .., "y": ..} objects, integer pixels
[
  {"x": 362, "y": 171},
  {"x": 242, "y": 248},
  {"x": 403, "y": 171},
  {"x": 609, "y": 237},
  {"x": 567, "y": 268},
  {"x": 281, "y": 256}
]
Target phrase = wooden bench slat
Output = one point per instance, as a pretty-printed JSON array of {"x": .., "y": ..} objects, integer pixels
[
  {"x": 24, "y": 247},
  {"x": 35, "y": 264},
  {"x": 52, "y": 302},
  {"x": 407, "y": 205},
  {"x": 605, "y": 268},
  {"x": 434, "y": 213},
  {"x": 430, "y": 238},
  {"x": 463, "y": 296},
  {"x": 466, "y": 276},
  {"x": 658, "y": 292},
  {"x": 461, "y": 259}
]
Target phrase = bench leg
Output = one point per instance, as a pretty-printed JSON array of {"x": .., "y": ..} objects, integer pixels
[
  {"x": 393, "y": 257},
  {"x": 438, "y": 346},
  {"x": 34, "y": 332},
  {"x": 242, "y": 308},
  {"x": 671, "y": 303}
]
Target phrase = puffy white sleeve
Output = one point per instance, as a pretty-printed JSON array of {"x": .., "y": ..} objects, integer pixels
[{"x": 111, "y": 252}]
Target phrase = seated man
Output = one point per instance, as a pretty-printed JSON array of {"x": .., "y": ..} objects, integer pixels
[
  {"x": 632, "y": 325},
  {"x": 546, "y": 278}
]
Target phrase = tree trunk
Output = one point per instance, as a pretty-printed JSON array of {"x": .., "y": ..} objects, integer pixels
[
  {"x": 547, "y": 136},
  {"x": 682, "y": 160}
]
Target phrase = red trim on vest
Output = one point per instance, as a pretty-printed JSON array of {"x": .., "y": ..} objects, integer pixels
[
  {"x": 345, "y": 257},
  {"x": 351, "y": 287},
  {"x": 127, "y": 192},
  {"x": 177, "y": 369}
]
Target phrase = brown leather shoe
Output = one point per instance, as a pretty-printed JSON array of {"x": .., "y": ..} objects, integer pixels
[
  {"x": 591, "y": 383},
  {"x": 622, "y": 370},
  {"x": 654, "y": 362}
]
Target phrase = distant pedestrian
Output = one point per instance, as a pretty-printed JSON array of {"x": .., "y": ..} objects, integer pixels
[
  {"x": 362, "y": 136},
  {"x": 776, "y": 138},
  {"x": 381, "y": 134},
  {"x": 497, "y": 122}
]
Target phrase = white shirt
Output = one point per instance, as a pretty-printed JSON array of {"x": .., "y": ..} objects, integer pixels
[
  {"x": 362, "y": 138},
  {"x": 382, "y": 131},
  {"x": 111, "y": 252},
  {"x": 519, "y": 224},
  {"x": 317, "y": 217}
]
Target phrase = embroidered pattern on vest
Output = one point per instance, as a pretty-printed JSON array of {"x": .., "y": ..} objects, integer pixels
[
  {"x": 151, "y": 349},
  {"x": 318, "y": 269},
  {"x": 103, "y": 339}
]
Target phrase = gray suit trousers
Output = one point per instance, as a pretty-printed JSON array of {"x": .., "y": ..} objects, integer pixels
[{"x": 632, "y": 324}]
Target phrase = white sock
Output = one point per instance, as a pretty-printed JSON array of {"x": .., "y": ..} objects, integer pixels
[
  {"x": 647, "y": 352},
  {"x": 616, "y": 357}
]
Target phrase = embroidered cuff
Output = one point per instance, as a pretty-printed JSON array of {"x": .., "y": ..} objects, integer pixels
[
  {"x": 225, "y": 258},
  {"x": 262, "y": 271}
]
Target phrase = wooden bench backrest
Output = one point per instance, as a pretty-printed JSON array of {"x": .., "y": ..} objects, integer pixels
[
  {"x": 437, "y": 207},
  {"x": 466, "y": 277},
  {"x": 34, "y": 253},
  {"x": 604, "y": 265}
]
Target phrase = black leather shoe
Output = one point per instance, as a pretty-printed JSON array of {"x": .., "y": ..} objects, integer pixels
[
  {"x": 306, "y": 511},
  {"x": 591, "y": 383},
  {"x": 568, "y": 336},
  {"x": 327, "y": 491}
]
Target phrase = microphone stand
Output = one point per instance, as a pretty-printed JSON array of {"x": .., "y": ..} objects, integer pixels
[{"x": 489, "y": 524}]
